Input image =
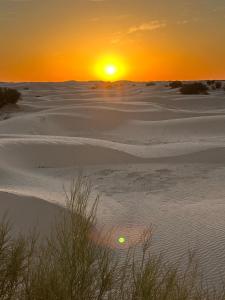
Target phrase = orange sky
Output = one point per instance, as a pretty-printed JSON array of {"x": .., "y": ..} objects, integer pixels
[{"x": 56, "y": 40}]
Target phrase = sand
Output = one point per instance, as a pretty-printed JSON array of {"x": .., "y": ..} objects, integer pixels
[
  {"x": 156, "y": 157},
  {"x": 26, "y": 214}
]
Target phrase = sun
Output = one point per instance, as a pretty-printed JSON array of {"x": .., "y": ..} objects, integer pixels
[{"x": 110, "y": 68}]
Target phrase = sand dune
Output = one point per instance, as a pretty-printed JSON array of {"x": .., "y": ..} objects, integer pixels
[
  {"x": 27, "y": 213},
  {"x": 190, "y": 129},
  {"x": 156, "y": 157}
]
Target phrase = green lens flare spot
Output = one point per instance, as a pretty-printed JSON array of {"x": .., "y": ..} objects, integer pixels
[{"x": 121, "y": 240}]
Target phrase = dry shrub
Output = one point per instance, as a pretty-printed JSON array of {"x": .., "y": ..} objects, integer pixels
[
  {"x": 8, "y": 96},
  {"x": 195, "y": 88},
  {"x": 69, "y": 265}
]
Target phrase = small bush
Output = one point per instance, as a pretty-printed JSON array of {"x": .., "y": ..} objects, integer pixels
[
  {"x": 9, "y": 96},
  {"x": 150, "y": 83},
  {"x": 214, "y": 84},
  {"x": 210, "y": 82},
  {"x": 175, "y": 84},
  {"x": 71, "y": 265},
  {"x": 194, "y": 88},
  {"x": 218, "y": 85}
]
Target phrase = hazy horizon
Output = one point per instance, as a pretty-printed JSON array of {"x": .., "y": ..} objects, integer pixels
[{"x": 114, "y": 81}]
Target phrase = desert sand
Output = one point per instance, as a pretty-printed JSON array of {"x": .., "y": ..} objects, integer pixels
[{"x": 156, "y": 157}]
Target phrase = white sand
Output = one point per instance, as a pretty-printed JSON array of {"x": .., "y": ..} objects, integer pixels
[{"x": 156, "y": 157}]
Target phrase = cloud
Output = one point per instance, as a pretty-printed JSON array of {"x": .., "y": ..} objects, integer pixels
[
  {"x": 153, "y": 25},
  {"x": 117, "y": 37},
  {"x": 185, "y": 22}
]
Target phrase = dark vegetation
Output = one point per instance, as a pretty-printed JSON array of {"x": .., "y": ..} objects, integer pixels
[
  {"x": 150, "y": 83},
  {"x": 210, "y": 82},
  {"x": 175, "y": 84},
  {"x": 214, "y": 84},
  {"x": 197, "y": 87},
  {"x": 218, "y": 85},
  {"x": 194, "y": 88},
  {"x": 70, "y": 265},
  {"x": 8, "y": 96}
]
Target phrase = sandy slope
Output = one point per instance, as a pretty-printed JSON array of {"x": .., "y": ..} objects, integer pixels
[
  {"x": 157, "y": 157},
  {"x": 22, "y": 211}
]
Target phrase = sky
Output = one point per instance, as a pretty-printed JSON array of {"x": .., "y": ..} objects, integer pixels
[{"x": 57, "y": 40}]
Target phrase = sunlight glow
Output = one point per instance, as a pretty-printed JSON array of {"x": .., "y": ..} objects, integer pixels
[{"x": 110, "y": 68}]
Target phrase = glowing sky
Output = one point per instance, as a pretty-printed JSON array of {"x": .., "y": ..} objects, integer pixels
[{"x": 55, "y": 40}]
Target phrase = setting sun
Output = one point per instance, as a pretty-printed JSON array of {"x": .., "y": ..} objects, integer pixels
[{"x": 110, "y": 68}]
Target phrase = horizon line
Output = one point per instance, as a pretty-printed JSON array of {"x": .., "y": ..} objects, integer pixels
[{"x": 108, "y": 81}]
